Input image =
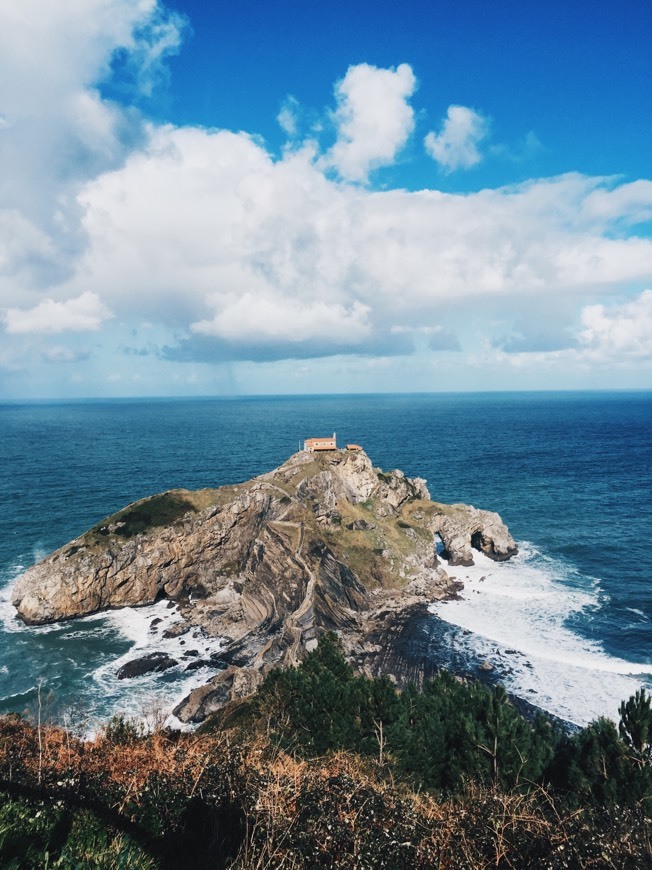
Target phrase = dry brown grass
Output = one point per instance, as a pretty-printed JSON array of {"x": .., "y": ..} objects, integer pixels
[{"x": 339, "y": 811}]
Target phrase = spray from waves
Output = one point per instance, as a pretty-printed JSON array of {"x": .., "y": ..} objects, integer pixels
[
  {"x": 90, "y": 644},
  {"x": 39, "y": 552},
  {"x": 519, "y": 615},
  {"x": 152, "y": 696},
  {"x": 642, "y": 616}
]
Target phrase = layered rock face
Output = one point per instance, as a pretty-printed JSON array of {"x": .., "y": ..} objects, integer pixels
[{"x": 325, "y": 541}]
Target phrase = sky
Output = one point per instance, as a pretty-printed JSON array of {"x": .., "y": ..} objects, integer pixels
[{"x": 220, "y": 198}]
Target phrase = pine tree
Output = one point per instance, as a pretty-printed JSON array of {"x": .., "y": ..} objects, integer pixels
[
  {"x": 636, "y": 726},
  {"x": 595, "y": 765}
]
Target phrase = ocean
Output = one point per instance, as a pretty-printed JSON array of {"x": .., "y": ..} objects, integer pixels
[{"x": 567, "y": 624}]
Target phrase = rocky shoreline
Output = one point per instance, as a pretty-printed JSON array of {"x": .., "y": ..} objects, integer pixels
[{"x": 324, "y": 542}]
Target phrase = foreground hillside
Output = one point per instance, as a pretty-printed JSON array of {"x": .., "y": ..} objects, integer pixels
[{"x": 323, "y": 768}]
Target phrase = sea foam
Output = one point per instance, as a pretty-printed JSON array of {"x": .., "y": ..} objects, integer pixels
[
  {"x": 521, "y": 616},
  {"x": 154, "y": 694},
  {"x": 102, "y": 694}
]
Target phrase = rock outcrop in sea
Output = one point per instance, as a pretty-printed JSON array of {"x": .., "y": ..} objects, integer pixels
[{"x": 324, "y": 542}]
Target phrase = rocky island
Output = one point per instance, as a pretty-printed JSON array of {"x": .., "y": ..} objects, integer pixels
[{"x": 324, "y": 542}]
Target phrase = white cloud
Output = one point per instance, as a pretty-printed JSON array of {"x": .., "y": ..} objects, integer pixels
[
  {"x": 628, "y": 203},
  {"x": 57, "y": 132},
  {"x": 28, "y": 257},
  {"x": 256, "y": 318},
  {"x": 206, "y": 227},
  {"x": 86, "y": 313},
  {"x": 611, "y": 337},
  {"x": 373, "y": 118},
  {"x": 456, "y": 146},
  {"x": 288, "y": 117},
  {"x": 618, "y": 332},
  {"x": 158, "y": 36},
  {"x": 209, "y": 237}
]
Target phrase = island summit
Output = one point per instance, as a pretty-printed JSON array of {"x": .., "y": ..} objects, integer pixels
[{"x": 325, "y": 542}]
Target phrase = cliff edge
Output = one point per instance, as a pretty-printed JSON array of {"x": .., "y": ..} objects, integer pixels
[{"x": 326, "y": 541}]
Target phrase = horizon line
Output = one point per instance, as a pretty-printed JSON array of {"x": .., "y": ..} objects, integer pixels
[{"x": 6, "y": 400}]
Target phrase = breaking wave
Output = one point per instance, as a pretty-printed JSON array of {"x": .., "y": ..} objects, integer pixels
[{"x": 523, "y": 618}]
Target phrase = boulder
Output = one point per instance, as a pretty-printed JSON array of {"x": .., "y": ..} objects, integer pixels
[
  {"x": 177, "y": 629},
  {"x": 152, "y": 663}
]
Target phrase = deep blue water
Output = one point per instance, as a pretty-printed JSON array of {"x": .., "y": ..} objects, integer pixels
[{"x": 570, "y": 473}]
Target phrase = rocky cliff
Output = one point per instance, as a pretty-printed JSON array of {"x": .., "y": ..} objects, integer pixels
[{"x": 325, "y": 541}]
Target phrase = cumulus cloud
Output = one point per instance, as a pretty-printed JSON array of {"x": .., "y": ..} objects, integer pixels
[
  {"x": 629, "y": 204},
  {"x": 236, "y": 254},
  {"x": 456, "y": 146},
  {"x": 622, "y": 332},
  {"x": 158, "y": 35},
  {"x": 58, "y": 131},
  {"x": 373, "y": 119},
  {"x": 83, "y": 314},
  {"x": 610, "y": 336},
  {"x": 259, "y": 318},
  {"x": 216, "y": 233}
]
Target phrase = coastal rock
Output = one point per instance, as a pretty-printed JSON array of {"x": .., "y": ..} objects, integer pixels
[
  {"x": 153, "y": 663},
  {"x": 226, "y": 686},
  {"x": 177, "y": 629},
  {"x": 324, "y": 542},
  {"x": 463, "y": 528}
]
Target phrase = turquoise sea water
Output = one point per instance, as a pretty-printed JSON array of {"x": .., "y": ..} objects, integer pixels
[{"x": 568, "y": 624}]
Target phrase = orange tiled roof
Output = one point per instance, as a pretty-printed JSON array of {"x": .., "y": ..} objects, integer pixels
[{"x": 320, "y": 443}]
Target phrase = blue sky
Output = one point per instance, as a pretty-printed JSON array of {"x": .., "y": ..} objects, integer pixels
[
  {"x": 237, "y": 198},
  {"x": 573, "y": 73}
]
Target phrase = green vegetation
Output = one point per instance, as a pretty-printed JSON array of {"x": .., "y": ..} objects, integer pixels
[
  {"x": 453, "y": 732},
  {"x": 42, "y": 834},
  {"x": 326, "y": 768},
  {"x": 377, "y": 554},
  {"x": 154, "y": 512}
]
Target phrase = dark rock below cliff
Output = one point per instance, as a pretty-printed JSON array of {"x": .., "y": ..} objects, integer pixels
[{"x": 152, "y": 663}]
